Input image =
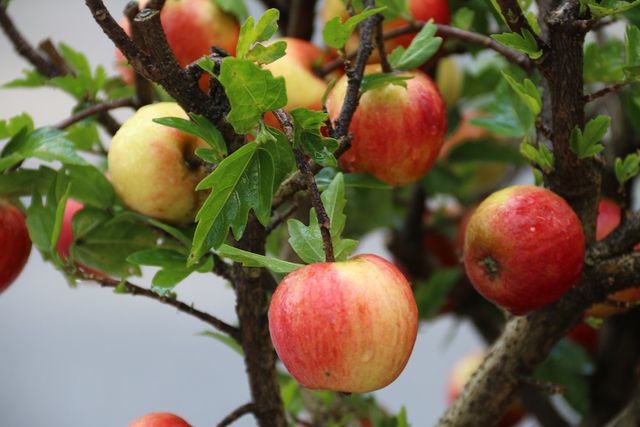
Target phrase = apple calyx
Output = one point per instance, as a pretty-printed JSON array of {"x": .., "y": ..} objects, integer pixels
[{"x": 490, "y": 266}]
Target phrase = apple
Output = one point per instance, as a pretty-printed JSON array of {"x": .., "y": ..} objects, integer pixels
[
  {"x": 304, "y": 87},
  {"x": 397, "y": 131},
  {"x": 15, "y": 244},
  {"x": 160, "y": 419},
  {"x": 449, "y": 80},
  {"x": 607, "y": 221},
  {"x": 461, "y": 374},
  {"x": 192, "y": 28},
  {"x": 153, "y": 167},
  {"x": 524, "y": 248},
  {"x": 344, "y": 326}
]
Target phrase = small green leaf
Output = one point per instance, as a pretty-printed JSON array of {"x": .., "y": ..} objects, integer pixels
[
  {"x": 588, "y": 144},
  {"x": 31, "y": 79},
  {"x": 249, "y": 259},
  {"x": 249, "y": 33},
  {"x": 423, "y": 46},
  {"x": 632, "y": 52},
  {"x": 237, "y": 8},
  {"x": 540, "y": 156},
  {"x": 252, "y": 91},
  {"x": 600, "y": 9},
  {"x": 604, "y": 62},
  {"x": 225, "y": 339},
  {"x": 527, "y": 91},
  {"x": 11, "y": 127},
  {"x": 48, "y": 144},
  {"x": 159, "y": 257},
  {"x": 508, "y": 115},
  {"x": 267, "y": 54},
  {"x": 201, "y": 127},
  {"x": 90, "y": 186},
  {"x": 401, "y": 418},
  {"x": 627, "y": 168},
  {"x": 463, "y": 18},
  {"x": 378, "y": 80},
  {"x": 307, "y": 134},
  {"x": 525, "y": 43},
  {"x": 336, "y": 33}
]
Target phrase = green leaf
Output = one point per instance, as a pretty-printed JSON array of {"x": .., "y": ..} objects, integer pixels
[
  {"x": 165, "y": 280},
  {"x": 527, "y": 91},
  {"x": 423, "y": 46},
  {"x": 249, "y": 33},
  {"x": 540, "y": 156},
  {"x": 267, "y": 54},
  {"x": 84, "y": 135},
  {"x": 11, "y": 127},
  {"x": 377, "y": 80},
  {"x": 307, "y": 241},
  {"x": 48, "y": 144},
  {"x": 159, "y": 257},
  {"x": 31, "y": 79},
  {"x": 394, "y": 9},
  {"x": 484, "y": 151},
  {"x": 463, "y": 18},
  {"x": 90, "y": 186},
  {"x": 335, "y": 33},
  {"x": 237, "y": 8},
  {"x": 588, "y": 144},
  {"x": 252, "y": 91},
  {"x": 525, "y": 43},
  {"x": 604, "y": 62},
  {"x": 174, "y": 232},
  {"x": 568, "y": 365},
  {"x": 249, "y": 259},
  {"x": 40, "y": 222},
  {"x": 25, "y": 182},
  {"x": 307, "y": 135},
  {"x": 401, "y": 418},
  {"x": 201, "y": 127},
  {"x": 225, "y": 339},
  {"x": 627, "y": 168},
  {"x": 600, "y": 9},
  {"x": 432, "y": 295},
  {"x": 508, "y": 114},
  {"x": 632, "y": 52},
  {"x": 245, "y": 180}
]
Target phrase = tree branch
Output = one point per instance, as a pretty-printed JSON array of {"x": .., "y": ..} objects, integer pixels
[
  {"x": 97, "y": 109},
  {"x": 237, "y": 414},
  {"x": 619, "y": 241},
  {"x": 516, "y": 20},
  {"x": 132, "y": 289},
  {"x": 301, "y": 18},
  {"x": 605, "y": 91}
]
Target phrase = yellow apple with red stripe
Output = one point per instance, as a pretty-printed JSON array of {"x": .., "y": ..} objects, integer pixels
[{"x": 345, "y": 326}]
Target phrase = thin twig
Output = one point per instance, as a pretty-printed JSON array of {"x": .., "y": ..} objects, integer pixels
[
  {"x": 96, "y": 109},
  {"x": 132, "y": 289},
  {"x": 384, "y": 61},
  {"x": 237, "y": 414},
  {"x": 282, "y": 217},
  {"x": 605, "y": 91}
]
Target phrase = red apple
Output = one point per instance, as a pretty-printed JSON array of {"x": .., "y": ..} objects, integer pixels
[
  {"x": 524, "y": 248},
  {"x": 462, "y": 372},
  {"x": 192, "y": 28},
  {"x": 160, "y": 419},
  {"x": 607, "y": 221},
  {"x": 15, "y": 244},
  {"x": 344, "y": 326},
  {"x": 397, "y": 132},
  {"x": 153, "y": 167}
]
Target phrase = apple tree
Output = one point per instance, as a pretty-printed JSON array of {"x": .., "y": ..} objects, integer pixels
[{"x": 253, "y": 154}]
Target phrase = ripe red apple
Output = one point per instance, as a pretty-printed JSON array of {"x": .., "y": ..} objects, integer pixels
[
  {"x": 462, "y": 372},
  {"x": 15, "y": 244},
  {"x": 524, "y": 248},
  {"x": 304, "y": 87},
  {"x": 397, "y": 131},
  {"x": 160, "y": 419},
  {"x": 345, "y": 326},
  {"x": 607, "y": 221},
  {"x": 153, "y": 167},
  {"x": 192, "y": 27}
]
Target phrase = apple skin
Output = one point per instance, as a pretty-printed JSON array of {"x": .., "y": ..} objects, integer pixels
[
  {"x": 15, "y": 244},
  {"x": 150, "y": 166},
  {"x": 524, "y": 248},
  {"x": 462, "y": 372},
  {"x": 607, "y": 221},
  {"x": 304, "y": 88},
  {"x": 192, "y": 27},
  {"x": 345, "y": 326},
  {"x": 160, "y": 419},
  {"x": 397, "y": 132}
]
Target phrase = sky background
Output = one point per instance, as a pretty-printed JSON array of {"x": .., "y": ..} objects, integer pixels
[{"x": 79, "y": 357}]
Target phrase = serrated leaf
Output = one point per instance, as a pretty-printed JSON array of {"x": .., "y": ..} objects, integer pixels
[
  {"x": 48, "y": 144},
  {"x": 336, "y": 33},
  {"x": 507, "y": 115},
  {"x": 307, "y": 135},
  {"x": 201, "y": 127},
  {"x": 266, "y": 26},
  {"x": 31, "y": 79},
  {"x": 632, "y": 52},
  {"x": 249, "y": 259},
  {"x": 527, "y": 91},
  {"x": 525, "y": 42},
  {"x": 378, "y": 80},
  {"x": 608, "y": 7},
  {"x": 588, "y": 144},
  {"x": 11, "y": 127},
  {"x": 540, "y": 156},
  {"x": 225, "y": 339},
  {"x": 252, "y": 91},
  {"x": 237, "y": 8},
  {"x": 423, "y": 46},
  {"x": 627, "y": 168},
  {"x": 267, "y": 54}
]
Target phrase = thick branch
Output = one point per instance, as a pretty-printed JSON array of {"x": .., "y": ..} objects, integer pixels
[
  {"x": 132, "y": 289},
  {"x": 237, "y": 414},
  {"x": 301, "y": 17},
  {"x": 619, "y": 241},
  {"x": 97, "y": 109}
]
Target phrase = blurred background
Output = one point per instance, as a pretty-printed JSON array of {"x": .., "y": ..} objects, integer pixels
[{"x": 85, "y": 356}]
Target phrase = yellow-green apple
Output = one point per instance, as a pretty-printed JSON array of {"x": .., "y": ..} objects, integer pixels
[
  {"x": 160, "y": 419},
  {"x": 153, "y": 167},
  {"x": 397, "y": 131},
  {"x": 304, "y": 87},
  {"x": 524, "y": 248},
  {"x": 192, "y": 27},
  {"x": 449, "y": 80},
  {"x": 607, "y": 221},
  {"x": 345, "y": 326},
  {"x": 15, "y": 244},
  {"x": 461, "y": 374}
]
